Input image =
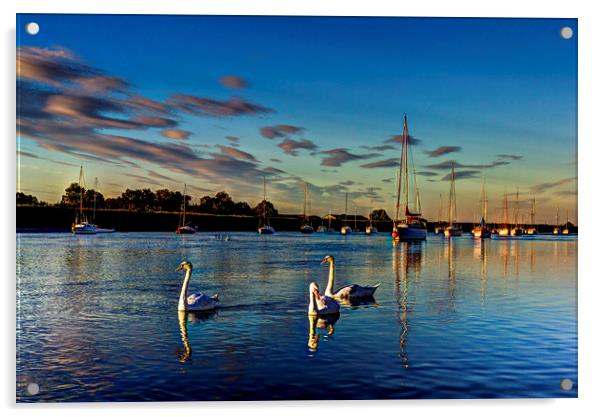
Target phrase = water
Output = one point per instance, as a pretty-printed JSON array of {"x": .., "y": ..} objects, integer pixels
[{"x": 97, "y": 318}]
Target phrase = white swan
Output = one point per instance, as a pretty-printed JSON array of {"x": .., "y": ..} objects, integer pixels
[
  {"x": 319, "y": 304},
  {"x": 348, "y": 292},
  {"x": 194, "y": 302}
]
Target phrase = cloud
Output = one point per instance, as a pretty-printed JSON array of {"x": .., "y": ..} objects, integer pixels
[
  {"x": 387, "y": 180},
  {"x": 154, "y": 174},
  {"x": 178, "y": 134},
  {"x": 509, "y": 156},
  {"x": 235, "y": 153},
  {"x": 279, "y": 131},
  {"x": 233, "y": 81},
  {"x": 276, "y": 160},
  {"x": 291, "y": 146},
  {"x": 427, "y": 173},
  {"x": 234, "y": 140},
  {"x": 443, "y": 150},
  {"x": 378, "y": 148},
  {"x": 447, "y": 165},
  {"x": 154, "y": 121},
  {"x": 387, "y": 163},
  {"x": 202, "y": 106},
  {"x": 460, "y": 175},
  {"x": 399, "y": 139},
  {"x": 545, "y": 186},
  {"x": 337, "y": 157}
]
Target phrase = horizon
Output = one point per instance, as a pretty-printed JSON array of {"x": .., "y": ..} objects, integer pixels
[{"x": 219, "y": 102}]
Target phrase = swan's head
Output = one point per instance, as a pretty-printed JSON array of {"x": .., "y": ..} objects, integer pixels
[
  {"x": 327, "y": 259},
  {"x": 185, "y": 265}
]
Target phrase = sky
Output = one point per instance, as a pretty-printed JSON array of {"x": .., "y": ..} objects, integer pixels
[{"x": 220, "y": 102}]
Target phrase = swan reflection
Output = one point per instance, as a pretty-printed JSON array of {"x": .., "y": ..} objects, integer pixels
[
  {"x": 320, "y": 326},
  {"x": 185, "y": 317}
]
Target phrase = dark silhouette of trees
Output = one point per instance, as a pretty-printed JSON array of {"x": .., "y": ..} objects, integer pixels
[
  {"x": 270, "y": 210},
  {"x": 29, "y": 200},
  {"x": 380, "y": 215}
]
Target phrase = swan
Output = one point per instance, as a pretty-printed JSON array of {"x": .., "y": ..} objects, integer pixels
[
  {"x": 348, "y": 292},
  {"x": 194, "y": 302},
  {"x": 319, "y": 304}
]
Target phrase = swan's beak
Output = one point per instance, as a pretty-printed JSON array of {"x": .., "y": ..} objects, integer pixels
[
  {"x": 179, "y": 268},
  {"x": 325, "y": 260}
]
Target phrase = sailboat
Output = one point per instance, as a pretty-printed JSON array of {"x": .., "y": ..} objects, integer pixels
[
  {"x": 306, "y": 226},
  {"x": 557, "y": 227},
  {"x": 183, "y": 227},
  {"x": 81, "y": 226},
  {"x": 566, "y": 230},
  {"x": 264, "y": 227},
  {"x": 452, "y": 228},
  {"x": 482, "y": 231},
  {"x": 504, "y": 231},
  {"x": 439, "y": 227},
  {"x": 412, "y": 226},
  {"x": 98, "y": 229},
  {"x": 516, "y": 230},
  {"x": 345, "y": 230},
  {"x": 370, "y": 228},
  {"x": 532, "y": 230}
]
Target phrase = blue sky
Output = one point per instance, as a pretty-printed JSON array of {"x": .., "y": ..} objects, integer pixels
[{"x": 498, "y": 96}]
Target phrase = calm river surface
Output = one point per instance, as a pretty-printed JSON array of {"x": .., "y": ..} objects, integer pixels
[{"x": 458, "y": 318}]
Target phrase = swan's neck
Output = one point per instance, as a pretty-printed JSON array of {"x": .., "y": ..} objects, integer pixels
[
  {"x": 184, "y": 291},
  {"x": 312, "y": 302},
  {"x": 330, "y": 286}
]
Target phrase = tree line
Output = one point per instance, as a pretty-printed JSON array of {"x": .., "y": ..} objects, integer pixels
[{"x": 146, "y": 200}]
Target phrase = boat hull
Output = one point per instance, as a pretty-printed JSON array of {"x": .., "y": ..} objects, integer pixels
[
  {"x": 405, "y": 233},
  {"x": 370, "y": 230},
  {"x": 185, "y": 230},
  {"x": 266, "y": 230},
  {"x": 345, "y": 230},
  {"x": 452, "y": 231},
  {"x": 307, "y": 230},
  {"x": 481, "y": 233},
  {"x": 84, "y": 229}
]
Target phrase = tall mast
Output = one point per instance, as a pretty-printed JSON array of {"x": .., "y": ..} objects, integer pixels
[
  {"x": 406, "y": 183},
  {"x": 516, "y": 209},
  {"x": 305, "y": 203},
  {"x": 345, "y": 221},
  {"x": 184, "y": 205},
  {"x": 329, "y": 218},
  {"x": 399, "y": 176},
  {"x": 81, "y": 194},
  {"x": 355, "y": 218},
  {"x": 532, "y": 211},
  {"x": 452, "y": 196},
  {"x": 506, "y": 209},
  {"x": 440, "y": 208},
  {"x": 264, "y": 202},
  {"x": 95, "y": 191}
]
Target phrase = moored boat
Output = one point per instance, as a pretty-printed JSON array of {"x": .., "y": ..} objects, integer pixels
[
  {"x": 346, "y": 230},
  {"x": 264, "y": 225},
  {"x": 412, "y": 226},
  {"x": 183, "y": 227},
  {"x": 81, "y": 226},
  {"x": 482, "y": 231},
  {"x": 306, "y": 227},
  {"x": 452, "y": 229}
]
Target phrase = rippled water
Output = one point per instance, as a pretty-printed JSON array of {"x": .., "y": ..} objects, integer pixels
[{"x": 97, "y": 318}]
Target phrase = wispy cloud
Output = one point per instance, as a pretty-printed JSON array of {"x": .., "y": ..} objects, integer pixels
[
  {"x": 460, "y": 175},
  {"x": 443, "y": 150},
  {"x": 280, "y": 131},
  {"x": 448, "y": 165},
  {"x": 399, "y": 139},
  {"x": 387, "y": 163},
  {"x": 338, "y": 156},
  {"x": 233, "y": 81},
  {"x": 546, "y": 186},
  {"x": 379, "y": 148},
  {"x": 178, "y": 134},
  {"x": 204, "y": 106},
  {"x": 234, "y": 140},
  {"x": 291, "y": 146},
  {"x": 509, "y": 156}
]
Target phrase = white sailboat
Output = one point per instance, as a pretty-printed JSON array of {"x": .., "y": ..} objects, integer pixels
[
  {"x": 183, "y": 227},
  {"x": 532, "y": 230},
  {"x": 412, "y": 226},
  {"x": 452, "y": 228},
  {"x": 306, "y": 226},
  {"x": 81, "y": 226},
  {"x": 516, "y": 230},
  {"x": 482, "y": 231},
  {"x": 264, "y": 227},
  {"x": 566, "y": 230},
  {"x": 345, "y": 230},
  {"x": 504, "y": 231},
  {"x": 370, "y": 228}
]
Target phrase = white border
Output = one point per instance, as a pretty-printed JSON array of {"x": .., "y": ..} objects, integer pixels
[{"x": 590, "y": 207}]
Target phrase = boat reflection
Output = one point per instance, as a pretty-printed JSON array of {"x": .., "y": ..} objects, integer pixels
[
  {"x": 407, "y": 258},
  {"x": 317, "y": 323},
  {"x": 193, "y": 317}
]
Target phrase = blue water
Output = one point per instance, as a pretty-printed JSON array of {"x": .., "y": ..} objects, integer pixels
[{"x": 458, "y": 318}]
